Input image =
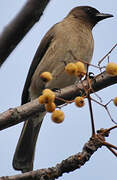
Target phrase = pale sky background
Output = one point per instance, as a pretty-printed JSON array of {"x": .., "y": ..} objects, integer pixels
[{"x": 57, "y": 142}]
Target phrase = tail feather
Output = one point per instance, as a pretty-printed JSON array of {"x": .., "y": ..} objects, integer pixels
[{"x": 25, "y": 150}]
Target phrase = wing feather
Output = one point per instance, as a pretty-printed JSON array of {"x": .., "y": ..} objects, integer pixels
[{"x": 44, "y": 45}]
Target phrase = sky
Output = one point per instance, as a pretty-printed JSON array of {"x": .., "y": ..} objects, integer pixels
[{"x": 57, "y": 142}]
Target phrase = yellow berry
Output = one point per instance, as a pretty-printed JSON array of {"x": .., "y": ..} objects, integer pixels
[
  {"x": 47, "y": 91},
  {"x": 79, "y": 101},
  {"x": 111, "y": 68},
  {"x": 50, "y": 107},
  {"x": 46, "y": 76},
  {"x": 48, "y": 98},
  {"x": 80, "y": 71},
  {"x": 41, "y": 99},
  {"x": 115, "y": 101},
  {"x": 48, "y": 95},
  {"x": 70, "y": 68},
  {"x": 58, "y": 116}
]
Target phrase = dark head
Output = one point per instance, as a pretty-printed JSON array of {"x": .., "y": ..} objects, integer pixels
[{"x": 89, "y": 14}]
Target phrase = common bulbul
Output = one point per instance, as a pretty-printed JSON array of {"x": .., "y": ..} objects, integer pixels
[{"x": 72, "y": 34}]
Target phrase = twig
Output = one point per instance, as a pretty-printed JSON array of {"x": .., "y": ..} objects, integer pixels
[
  {"x": 91, "y": 114},
  {"x": 105, "y": 106},
  {"x": 105, "y": 132},
  {"x": 110, "y": 129},
  {"x": 64, "y": 100},
  {"x": 107, "y": 54},
  {"x": 110, "y": 149}
]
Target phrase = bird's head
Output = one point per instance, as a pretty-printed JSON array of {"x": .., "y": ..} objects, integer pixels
[{"x": 89, "y": 14}]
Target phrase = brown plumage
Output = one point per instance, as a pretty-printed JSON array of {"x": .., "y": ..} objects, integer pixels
[{"x": 74, "y": 34}]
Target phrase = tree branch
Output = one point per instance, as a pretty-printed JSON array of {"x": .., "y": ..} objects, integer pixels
[
  {"x": 30, "y": 110},
  {"x": 20, "y": 25},
  {"x": 68, "y": 165}
]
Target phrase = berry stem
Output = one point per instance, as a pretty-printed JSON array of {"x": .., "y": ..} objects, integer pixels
[{"x": 91, "y": 114}]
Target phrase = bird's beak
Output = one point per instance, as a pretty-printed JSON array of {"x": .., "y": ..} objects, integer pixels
[{"x": 101, "y": 16}]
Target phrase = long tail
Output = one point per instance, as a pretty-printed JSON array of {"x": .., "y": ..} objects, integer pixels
[{"x": 25, "y": 150}]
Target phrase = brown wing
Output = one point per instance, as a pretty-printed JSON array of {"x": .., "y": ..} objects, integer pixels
[{"x": 45, "y": 43}]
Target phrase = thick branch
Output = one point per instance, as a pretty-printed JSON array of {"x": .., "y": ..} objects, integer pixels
[
  {"x": 68, "y": 165},
  {"x": 30, "y": 110},
  {"x": 19, "y": 26}
]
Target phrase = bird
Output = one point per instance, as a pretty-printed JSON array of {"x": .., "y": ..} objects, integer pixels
[{"x": 72, "y": 34}]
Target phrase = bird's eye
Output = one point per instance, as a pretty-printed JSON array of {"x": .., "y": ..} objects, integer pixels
[{"x": 88, "y": 10}]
